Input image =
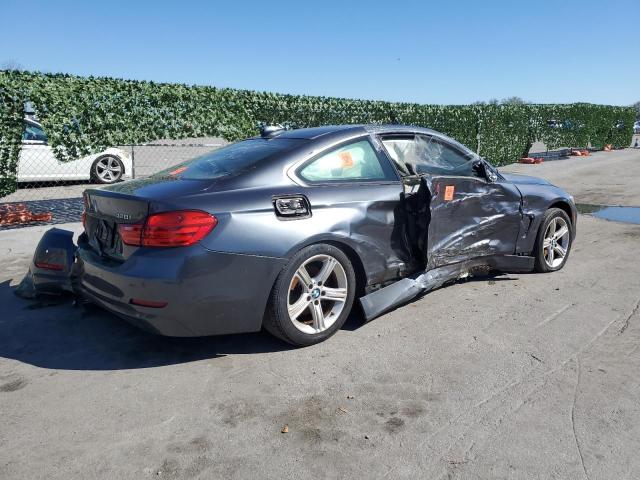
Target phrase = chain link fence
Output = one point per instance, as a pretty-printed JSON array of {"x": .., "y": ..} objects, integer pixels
[{"x": 50, "y": 191}]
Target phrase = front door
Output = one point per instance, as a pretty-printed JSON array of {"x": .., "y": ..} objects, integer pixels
[{"x": 470, "y": 215}]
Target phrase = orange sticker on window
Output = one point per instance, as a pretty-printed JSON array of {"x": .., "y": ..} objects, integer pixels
[
  {"x": 448, "y": 192},
  {"x": 347, "y": 159}
]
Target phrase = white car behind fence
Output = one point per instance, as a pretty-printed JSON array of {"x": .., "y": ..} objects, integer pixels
[{"x": 37, "y": 162}]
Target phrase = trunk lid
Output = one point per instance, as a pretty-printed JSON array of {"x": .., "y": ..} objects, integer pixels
[{"x": 106, "y": 210}]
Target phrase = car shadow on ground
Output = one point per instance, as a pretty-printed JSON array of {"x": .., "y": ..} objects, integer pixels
[{"x": 57, "y": 333}]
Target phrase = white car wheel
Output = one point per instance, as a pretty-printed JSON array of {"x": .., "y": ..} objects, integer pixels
[{"x": 107, "y": 169}]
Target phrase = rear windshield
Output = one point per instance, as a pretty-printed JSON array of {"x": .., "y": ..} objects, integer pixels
[{"x": 235, "y": 158}]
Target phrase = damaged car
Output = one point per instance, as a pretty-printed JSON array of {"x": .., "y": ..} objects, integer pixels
[{"x": 289, "y": 230}]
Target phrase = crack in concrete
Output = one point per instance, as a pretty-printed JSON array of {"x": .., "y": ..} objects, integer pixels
[
  {"x": 555, "y": 315},
  {"x": 573, "y": 418},
  {"x": 625, "y": 325},
  {"x": 530, "y": 377}
]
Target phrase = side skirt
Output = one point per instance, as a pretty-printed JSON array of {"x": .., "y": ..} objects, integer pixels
[{"x": 400, "y": 292}]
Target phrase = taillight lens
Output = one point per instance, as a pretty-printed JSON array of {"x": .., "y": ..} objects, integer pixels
[
  {"x": 131, "y": 234},
  {"x": 85, "y": 207},
  {"x": 169, "y": 229}
]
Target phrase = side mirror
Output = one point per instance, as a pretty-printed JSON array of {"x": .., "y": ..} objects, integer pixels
[
  {"x": 485, "y": 171},
  {"x": 490, "y": 173}
]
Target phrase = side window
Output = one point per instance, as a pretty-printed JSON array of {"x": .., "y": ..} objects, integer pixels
[
  {"x": 398, "y": 148},
  {"x": 356, "y": 161},
  {"x": 33, "y": 132},
  {"x": 426, "y": 155}
]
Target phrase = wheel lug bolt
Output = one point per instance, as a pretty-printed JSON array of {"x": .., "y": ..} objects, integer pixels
[
  {"x": 319, "y": 284},
  {"x": 323, "y": 293},
  {"x": 316, "y": 302},
  {"x": 308, "y": 299}
]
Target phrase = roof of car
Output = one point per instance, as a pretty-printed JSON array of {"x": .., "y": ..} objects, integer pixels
[{"x": 316, "y": 132}]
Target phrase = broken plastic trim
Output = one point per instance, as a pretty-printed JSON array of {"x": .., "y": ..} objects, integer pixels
[
  {"x": 402, "y": 291},
  {"x": 51, "y": 269}
]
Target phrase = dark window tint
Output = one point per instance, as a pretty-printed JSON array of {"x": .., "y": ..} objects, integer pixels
[
  {"x": 236, "y": 158},
  {"x": 33, "y": 132}
]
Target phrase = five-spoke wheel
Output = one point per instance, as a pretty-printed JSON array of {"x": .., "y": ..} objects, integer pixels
[
  {"x": 554, "y": 241},
  {"x": 312, "y": 296},
  {"x": 317, "y": 294},
  {"x": 107, "y": 169}
]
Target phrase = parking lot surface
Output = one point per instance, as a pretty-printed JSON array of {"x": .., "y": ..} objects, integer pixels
[{"x": 517, "y": 376}]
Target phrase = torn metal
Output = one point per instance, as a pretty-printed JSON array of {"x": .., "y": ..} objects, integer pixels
[
  {"x": 458, "y": 226},
  {"x": 401, "y": 292}
]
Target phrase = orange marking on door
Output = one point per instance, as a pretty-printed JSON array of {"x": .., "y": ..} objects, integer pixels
[{"x": 448, "y": 192}]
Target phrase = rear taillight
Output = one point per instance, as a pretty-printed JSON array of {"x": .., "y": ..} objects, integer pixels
[
  {"x": 85, "y": 207},
  {"x": 131, "y": 234},
  {"x": 169, "y": 229}
]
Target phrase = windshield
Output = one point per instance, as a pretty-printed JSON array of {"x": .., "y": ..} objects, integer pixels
[{"x": 233, "y": 159}]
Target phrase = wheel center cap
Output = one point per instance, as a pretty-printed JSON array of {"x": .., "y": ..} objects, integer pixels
[{"x": 315, "y": 293}]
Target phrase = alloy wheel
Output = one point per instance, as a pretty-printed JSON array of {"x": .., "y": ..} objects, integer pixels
[
  {"x": 556, "y": 242},
  {"x": 317, "y": 294},
  {"x": 108, "y": 169}
]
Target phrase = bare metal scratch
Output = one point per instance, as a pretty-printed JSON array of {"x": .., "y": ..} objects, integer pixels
[{"x": 573, "y": 417}]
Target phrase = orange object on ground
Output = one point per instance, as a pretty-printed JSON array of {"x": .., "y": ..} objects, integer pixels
[
  {"x": 14, "y": 214},
  {"x": 608, "y": 148},
  {"x": 531, "y": 160},
  {"x": 580, "y": 153}
]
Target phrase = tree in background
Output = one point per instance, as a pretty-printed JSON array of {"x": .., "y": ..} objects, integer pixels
[{"x": 637, "y": 107}]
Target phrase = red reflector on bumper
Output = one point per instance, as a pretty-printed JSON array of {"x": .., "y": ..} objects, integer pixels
[
  {"x": 147, "y": 303},
  {"x": 49, "y": 266}
]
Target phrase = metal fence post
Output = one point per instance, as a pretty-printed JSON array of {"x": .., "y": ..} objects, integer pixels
[{"x": 133, "y": 162}]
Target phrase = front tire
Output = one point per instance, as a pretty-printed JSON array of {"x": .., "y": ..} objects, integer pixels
[
  {"x": 312, "y": 296},
  {"x": 107, "y": 169},
  {"x": 554, "y": 241}
]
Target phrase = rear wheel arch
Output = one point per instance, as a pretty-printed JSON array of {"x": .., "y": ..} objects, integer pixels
[
  {"x": 348, "y": 250},
  {"x": 356, "y": 262}
]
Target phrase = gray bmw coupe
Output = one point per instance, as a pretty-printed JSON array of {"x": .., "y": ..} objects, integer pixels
[{"x": 288, "y": 230}]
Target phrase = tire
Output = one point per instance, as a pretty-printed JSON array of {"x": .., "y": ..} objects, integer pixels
[
  {"x": 107, "y": 169},
  {"x": 317, "y": 314},
  {"x": 546, "y": 259}
]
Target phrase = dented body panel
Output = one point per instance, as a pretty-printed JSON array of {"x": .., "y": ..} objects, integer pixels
[{"x": 405, "y": 234}]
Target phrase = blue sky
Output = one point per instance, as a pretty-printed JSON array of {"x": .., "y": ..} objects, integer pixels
[{"x": 427, "y": 52}]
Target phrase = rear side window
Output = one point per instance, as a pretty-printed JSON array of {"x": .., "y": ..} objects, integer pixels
[
  {"x": 236, "y": 158},
  {"x": 355, "y": 161}
]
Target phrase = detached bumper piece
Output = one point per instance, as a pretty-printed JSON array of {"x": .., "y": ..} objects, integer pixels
[
  {"x": 51, "y": 269},
  {"x": 402, "y": 291}
]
